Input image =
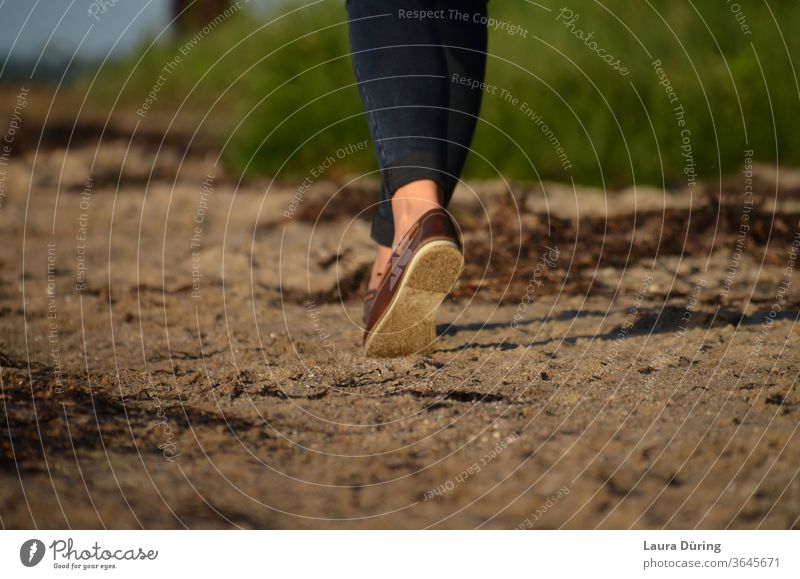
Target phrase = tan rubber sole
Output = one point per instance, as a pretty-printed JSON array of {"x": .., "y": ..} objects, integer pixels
[{"x": 409, "y": 324}]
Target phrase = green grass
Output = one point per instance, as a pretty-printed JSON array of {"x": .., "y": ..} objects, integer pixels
[{"x": 280, "y": 96}]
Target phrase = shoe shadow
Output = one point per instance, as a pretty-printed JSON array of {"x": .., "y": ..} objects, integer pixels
[
  {"x": 653, "y": 322},
  {"x": 565, "y": 316}
]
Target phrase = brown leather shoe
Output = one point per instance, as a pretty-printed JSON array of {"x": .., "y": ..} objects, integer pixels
[
  {"x": 369, "y": 301},
  {"x": 422, "y": 270}
]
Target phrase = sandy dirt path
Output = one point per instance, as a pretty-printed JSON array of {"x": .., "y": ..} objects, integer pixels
[{"x": 177, "y": 350}]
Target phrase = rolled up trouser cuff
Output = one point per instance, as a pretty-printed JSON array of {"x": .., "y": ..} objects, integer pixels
[{"x": 382, "y": 231}]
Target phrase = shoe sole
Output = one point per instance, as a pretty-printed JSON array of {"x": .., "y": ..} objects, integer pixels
[{"x": 409, "y": 324}]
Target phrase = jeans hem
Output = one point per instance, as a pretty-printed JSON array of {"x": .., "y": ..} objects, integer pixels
[{"x": 382, "y": 231}]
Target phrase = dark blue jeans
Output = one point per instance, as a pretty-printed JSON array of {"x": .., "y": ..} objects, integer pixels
[{"x": 410, "y": 59}]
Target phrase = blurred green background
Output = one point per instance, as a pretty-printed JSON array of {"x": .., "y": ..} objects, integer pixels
[{"x": 276, "y": 90}]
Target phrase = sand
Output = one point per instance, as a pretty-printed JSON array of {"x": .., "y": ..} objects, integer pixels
[{"x": 182, "y": 349}]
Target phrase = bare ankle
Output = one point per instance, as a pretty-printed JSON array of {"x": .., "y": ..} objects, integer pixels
[
  {"x": 410, "y": 202},
  {"x": 382, "y": 256}
]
